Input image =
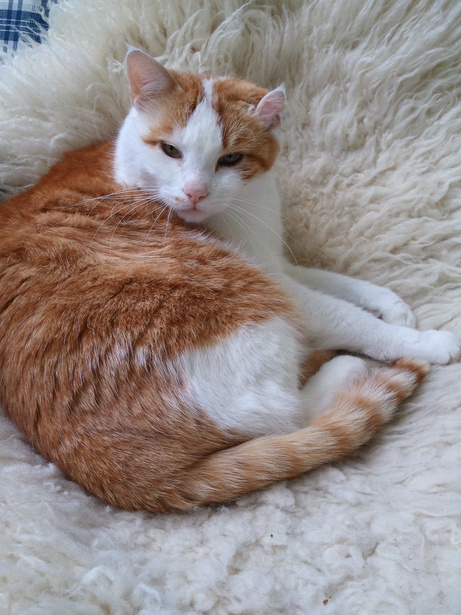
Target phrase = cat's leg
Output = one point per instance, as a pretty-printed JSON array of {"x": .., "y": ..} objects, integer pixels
[
  {"x": 381, "y": 302},
  {"x": 337, "y": 324}
]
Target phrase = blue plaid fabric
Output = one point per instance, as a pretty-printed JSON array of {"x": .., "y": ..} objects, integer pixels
[{"x": 22, "y": 20}]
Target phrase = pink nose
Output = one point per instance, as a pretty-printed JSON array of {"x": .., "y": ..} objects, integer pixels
[{"x": 196, "y": 191}]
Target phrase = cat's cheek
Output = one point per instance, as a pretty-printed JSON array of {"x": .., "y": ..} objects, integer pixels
[{"x": 228, "y": 185}]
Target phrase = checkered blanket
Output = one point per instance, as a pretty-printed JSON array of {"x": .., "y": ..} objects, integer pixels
[{"x": 22, "y": 21}]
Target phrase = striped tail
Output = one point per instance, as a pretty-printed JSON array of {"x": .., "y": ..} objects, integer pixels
[{"x": 352, "y": 420}]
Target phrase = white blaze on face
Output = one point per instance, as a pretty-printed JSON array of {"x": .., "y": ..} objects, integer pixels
[{"x": 200, "y": 142}]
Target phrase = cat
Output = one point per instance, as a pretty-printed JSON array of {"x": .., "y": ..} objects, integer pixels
[{"x": 154, "y": 341}]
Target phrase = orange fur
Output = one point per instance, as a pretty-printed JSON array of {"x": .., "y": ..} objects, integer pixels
[
  {"x": 176, "y": 107},
  {"x": 233, "y": 95}
]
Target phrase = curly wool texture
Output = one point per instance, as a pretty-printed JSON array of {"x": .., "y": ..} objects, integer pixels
[{"x": 370, "y": 172}]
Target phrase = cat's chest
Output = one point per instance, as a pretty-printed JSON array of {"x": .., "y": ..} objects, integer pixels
[
  {"x": 252, "y": 224},
  {"x": 254, "y": 242}
]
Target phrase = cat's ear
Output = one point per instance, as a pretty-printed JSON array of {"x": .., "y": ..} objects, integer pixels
[
  {"x": 149, "y": 80},
  {"x": 271, "y": 106}
]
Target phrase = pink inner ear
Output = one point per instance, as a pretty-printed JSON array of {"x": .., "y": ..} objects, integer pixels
[
  {"x": 270, "y": 107},
  {"x": 148, "y": 78}
]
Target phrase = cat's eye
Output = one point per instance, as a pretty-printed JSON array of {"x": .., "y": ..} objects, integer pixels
[
  {"x": 230, "y": 159},
  {"x": 170, "y": 150}
]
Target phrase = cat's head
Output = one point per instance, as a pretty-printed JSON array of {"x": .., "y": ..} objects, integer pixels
[{"x": 195, "y": 141}]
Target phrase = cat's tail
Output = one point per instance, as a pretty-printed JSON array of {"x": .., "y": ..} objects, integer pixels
[{"x": 353, "y": 418}]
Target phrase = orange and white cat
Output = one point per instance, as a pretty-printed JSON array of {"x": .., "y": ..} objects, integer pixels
[{"x": 154, "y": 343}]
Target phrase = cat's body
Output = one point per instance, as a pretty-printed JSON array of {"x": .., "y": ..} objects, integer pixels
[{"x": 152, "y": 337}]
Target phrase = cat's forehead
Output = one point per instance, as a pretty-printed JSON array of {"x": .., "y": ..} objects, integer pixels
[{"x": 206, "y": 101}]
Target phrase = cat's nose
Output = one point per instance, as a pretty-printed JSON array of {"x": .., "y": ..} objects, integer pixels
[{"x": 195, "y": 191}]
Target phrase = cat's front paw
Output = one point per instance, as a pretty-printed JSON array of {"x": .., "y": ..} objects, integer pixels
[
  {"x": 439, "y": 347},
  {"x": 388, "y": 306}
]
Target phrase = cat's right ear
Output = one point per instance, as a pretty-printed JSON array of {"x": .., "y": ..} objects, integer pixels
[{"x": 149, "y": 80}]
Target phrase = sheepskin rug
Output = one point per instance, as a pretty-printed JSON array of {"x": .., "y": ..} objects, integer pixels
[{"x": 370, "y": 170}]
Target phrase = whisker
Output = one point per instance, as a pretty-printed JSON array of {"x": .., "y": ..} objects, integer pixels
[
  {"x": 167, "y": 221},
  {"x": 137, "y": 206},
  {"x": 249, "y": 213},
  {"x": 115, "y": 211},
  {"x": 152, "y": 225},
  {"x": 102, "y": 197},
  {"x": 235, "y": 216},
  {"x": 256, "y": 204},
  {"x": 124, "y": 198},
  {"x": 264, "y": 208}
]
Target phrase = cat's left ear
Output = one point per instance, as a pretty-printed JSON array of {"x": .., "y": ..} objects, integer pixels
[{"x": 271, "y": 106}]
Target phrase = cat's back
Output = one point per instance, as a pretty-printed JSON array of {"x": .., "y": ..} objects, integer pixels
[{"x": 59, "y": 199}]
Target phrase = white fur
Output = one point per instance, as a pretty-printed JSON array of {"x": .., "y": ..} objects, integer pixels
[
  {"x": 249, "y": 382},
  {"x": 380, "y": 301},
  {"x": 251, "y": 220},
  {"x": 337, "y": 324},
  {"x": 369, "y": 169},
  {"x": 134, "y": 158},
  {"x": 332, "y": 378},
  {"x": 200, "y": 143}
]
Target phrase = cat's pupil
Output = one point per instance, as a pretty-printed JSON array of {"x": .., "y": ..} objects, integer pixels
[
  {"x": 171, "y": 150},
  {"x": 230, "y": 159}
]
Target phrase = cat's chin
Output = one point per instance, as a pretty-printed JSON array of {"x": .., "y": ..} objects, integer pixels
[{"x": 193, "y": 215}]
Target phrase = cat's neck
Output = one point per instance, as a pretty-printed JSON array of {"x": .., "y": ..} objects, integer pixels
[{"x": 253, "y": 224}]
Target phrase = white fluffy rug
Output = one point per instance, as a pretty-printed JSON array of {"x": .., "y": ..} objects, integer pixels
[{"x": 370, "y": 170}]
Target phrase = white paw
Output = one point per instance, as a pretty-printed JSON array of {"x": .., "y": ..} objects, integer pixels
[
  {"x": 438, "y": 347},
  {"x": 385, "y": 304}
]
